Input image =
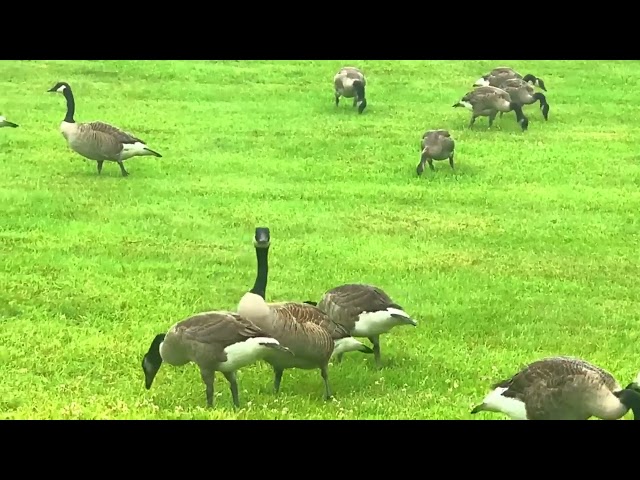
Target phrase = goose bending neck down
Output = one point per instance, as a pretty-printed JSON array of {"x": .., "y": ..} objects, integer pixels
[
  {"x": 216, "y": 341},
  {"x": 562, "y": 388}
]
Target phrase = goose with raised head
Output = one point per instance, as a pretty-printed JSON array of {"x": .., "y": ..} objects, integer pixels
[
  {"x": 500, "y": 74},
  {"x": 487, "y": 102},
  {"x": 98, "y": 141},
  {"x": 561, "y": 388},
  {"x": 435, "y": 145},
  {"x": 6, "y": 123},
  {"x": 216, "y": 341},
  {"x": 523, "y": 93},
  {"x": 350, "y": 82},
  {"x": 364, "y": 311},
  {"x": 302, "y": 328}
]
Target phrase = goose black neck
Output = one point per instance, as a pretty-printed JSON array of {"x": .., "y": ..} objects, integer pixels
[
  {"x": 260, "y": 285},
  {"x": 631, "y": 398},
  {"x": 71, "y": 105},
  {"x": 358, "y": 86},
  {"x": 518, "y": 109},
  {"x": 540, "y": 97},
  {"x": 529, "y": 78}
]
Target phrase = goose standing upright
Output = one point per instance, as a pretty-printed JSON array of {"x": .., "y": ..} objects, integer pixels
[
  {"x": 216, "y": 341},
  {"x": 6, "y": 123},
  {"x": 98, "y": 141},
  {"x": 365, "y": 311},
  {"x": 562, "y": 388},
  {"x": 302, "y": 328},
  {"x": 350, "y": 82}
]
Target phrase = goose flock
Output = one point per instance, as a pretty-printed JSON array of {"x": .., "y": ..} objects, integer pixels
[{"x": 308, "y": 334}]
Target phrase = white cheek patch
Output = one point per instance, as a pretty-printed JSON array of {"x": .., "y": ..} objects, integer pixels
[{"x": 61, "y": 89}]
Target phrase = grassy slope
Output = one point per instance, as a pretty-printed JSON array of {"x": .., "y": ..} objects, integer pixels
[{"x": 529, "y": 249}]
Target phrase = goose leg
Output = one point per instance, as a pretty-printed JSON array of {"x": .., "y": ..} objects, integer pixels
[
  {"x": 124, "y": 172},
  {"x": 473, "y": 120},
  {"x": 375, "y": 341},
  {"x": 430, "y": 161},
  {"x": 339, "y": 357},
  {"x": 501, "y": 113},
  {"x": 100, "y": 162},
  {"x": 208, "y": 378},
  {"x": 355, "y": 101},
  {"x": 324, "y": 371},
  {"x": 451, "y": 161},
  {"x": 233, "y": 383},
  {"x": 337, "y": 98},
  {"x": 277, "y": 378},
  {"x": 492, "y": 117}
]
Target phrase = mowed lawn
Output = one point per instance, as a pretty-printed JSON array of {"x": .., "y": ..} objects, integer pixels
[{"x": 530, "y": 248}]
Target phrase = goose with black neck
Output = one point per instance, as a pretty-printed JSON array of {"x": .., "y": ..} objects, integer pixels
[{"x": 98, "y": 141}]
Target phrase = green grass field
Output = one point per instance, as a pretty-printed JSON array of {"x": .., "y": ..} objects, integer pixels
[{"x": 529, "y": 248}]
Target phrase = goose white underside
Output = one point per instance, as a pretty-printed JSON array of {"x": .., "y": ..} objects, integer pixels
[
  {"x": 348, "y": 344},
  {"x": 377, "y": 323},
  {"x": 134, "y": 150},
  {"x": 245, "y": 353},
  {"x": 495, "y": 402},
  {"x": 466, "y": 105},
  {"x": 481, "y": 82}
]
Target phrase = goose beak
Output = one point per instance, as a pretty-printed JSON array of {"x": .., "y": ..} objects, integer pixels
[
  {"x": 52, "y": 90},
  {"x": 477, "y": 409}
]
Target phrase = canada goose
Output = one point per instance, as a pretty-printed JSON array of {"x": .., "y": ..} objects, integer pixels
[
  {"x": 499, "y": 74},
  {"x": 365, "y": 311},
  {"x": 98, "y": 141},
  {"x": 561, "y": 388},
  {"x": 297, "y": 326},
  {"x": 435, "y": 145},
  {"x": 216, "y": 341},
  {"x": 350, "y": 82},
  {"x": 6, "y": 123},
  {"x": 523, "y": 93},
  {"x": 487, "y": 102}
]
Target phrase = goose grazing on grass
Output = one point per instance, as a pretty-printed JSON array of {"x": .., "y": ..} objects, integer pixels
[
  {"x": 523, "y": 93},
  {"x": 350, "y": 82},
  {"x": 302, "y": 328},
  {"x": 6, "y": 123},
  {"x": 487, "y": 102},
  {"x": 500, "y": 74},
  {"x": 435, "y": 145},
  {"x": 216, "y": 341},
  {"x": 562, "y": 388},
  {"x": 365, "y": 311},
  {"x": 98, "y": 141}
]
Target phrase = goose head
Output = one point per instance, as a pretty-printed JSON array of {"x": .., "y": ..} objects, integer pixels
[
  {"x": 152, "y": 360},
  {"x": 59, "y": 87}
]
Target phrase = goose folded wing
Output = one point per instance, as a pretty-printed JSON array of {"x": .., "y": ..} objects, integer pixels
[
  {"x": 224, "y": 328},
  {"x": 118, "y": 134}
]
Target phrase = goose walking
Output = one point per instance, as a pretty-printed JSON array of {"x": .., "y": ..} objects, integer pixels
[
  {"x": 98, "y": 141},
  {"x": 500, "y": 74},
  {"x": 6, "y": 123},
  {"x": 365, "y": 311},
  {"x": 487, "y": 102},
  {"x": 216, "y": 341},
  {"x": 435, "y": 145},
  {"x": 302, "y": 328},
  {"x": 523, "y": 93},
  {"x": 350, "y": 82},
  {"x": 562, "y": 388}
]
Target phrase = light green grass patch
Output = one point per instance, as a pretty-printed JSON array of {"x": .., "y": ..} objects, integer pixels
[{"x": 529, "y": 248}]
